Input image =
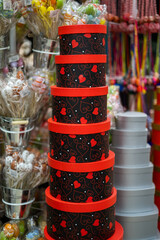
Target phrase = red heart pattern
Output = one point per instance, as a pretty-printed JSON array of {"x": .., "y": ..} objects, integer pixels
[
  {"x": 63, "y": 224},
  {"x": 76, "y": 184},
  {"x": 95, "y": 111},
  {"x": 103, "y": 156},
  {"x": 110, "y": 225},
  {"x": 74, "y": 43},
  {"x": 62, "y": 142},
  {"x": 72, "y": 159},
  {"x": 103, "y": 42},
  {"x": 89, "y": 175},
  {"x": 52, "y": 152},
  {"x": 90, "y": 199},
  {"x": 107, "y": 179},
  {"x": 83, "y": 232},
  {"x": 72, "y": 136},
  {"x": 83, "y": 120},
  {"x": 81, "y": 78},
  {"x": 96, "y": 223},
  {"x": 103, "y": 133},
  {"x": 93, "y": 143},
  {"x": 58, "y": 173},
  {"x": 55, "y": 119},
  {"x": 53, "y": 228},
  {"x": 58, "y": 197},
  {"x": 63, "y": 111},
  {"x": 94, "y": 68},
  {"x": 51, "y": 178},
  {"x": 87, "y": 35},
  {"x": 62, "y": 71}
]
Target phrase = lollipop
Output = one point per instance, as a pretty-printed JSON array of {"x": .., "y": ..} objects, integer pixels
[{"x": 25, "y": 169}]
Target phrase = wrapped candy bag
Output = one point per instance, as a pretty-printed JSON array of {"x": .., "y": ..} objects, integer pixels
[
  {"x": 113, "y": 103},
  {"x": 9, "y": 14},
  {"x": 17, "y": 95},
  {"x": 24, "y": 169},
  {"x": 13, "y": 230},
  {"x": 91, "y": 12}
]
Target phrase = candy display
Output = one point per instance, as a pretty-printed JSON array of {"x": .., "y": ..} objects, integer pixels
[
  {"x": 13, "y": 230},
  {"x": 17, "y": 94},
  {"x": 91, "y": 12},
  {"x": 24, "y": 169},
  {"x": 44, "y": 18},
  {"x": 9, "y": 14}
]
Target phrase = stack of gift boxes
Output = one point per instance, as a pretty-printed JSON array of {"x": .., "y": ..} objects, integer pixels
[
  {"x": 156, "y": 151},
  {"x": 81, "y": 197},
  {"x": 135, "y": 208}
]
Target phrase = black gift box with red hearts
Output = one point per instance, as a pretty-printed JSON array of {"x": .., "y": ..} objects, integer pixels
[
  {"x": 78, "y": 221},
  {"x": 79, "y": 143},
  {"x": 74, "y": 105},
  {"x": 83, "y": 182},
  {"x": 81, "y": 71},
  {"x": 84, "y": 39}
]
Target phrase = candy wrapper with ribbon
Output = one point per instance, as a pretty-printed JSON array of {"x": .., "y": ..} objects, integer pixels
[
  {"x": 9, "y": 14},
  {"x": 20, "y": 98},
  {"x": 24, "y": 169},
  {"x": 113, "y": 103},
  {"x": 91, "y": 12},
  {"x": 44, "y": 17}
]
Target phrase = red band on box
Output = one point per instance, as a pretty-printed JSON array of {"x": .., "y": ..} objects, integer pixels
[
  {"x": 88, "y": 28},
  {"x": 79, "y": 92},
  {"x": 80, "y": 129},
  {"x": 80, "y": 207},
  {"x": 118, "y": 234},
  {"x": 83, "y": 167},
  {"x": 155, "y": 137},
  {"x": 78, "y": 59}
]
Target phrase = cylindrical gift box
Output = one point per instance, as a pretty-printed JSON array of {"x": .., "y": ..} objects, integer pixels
[
  {"x": 81, "y": 71},
  {"x": 84, "y": 39},
  {"x": 76, "y": 221},
  {"x": 157, "y": 114},
  {"x": 81, "y": 182},
  {"x": 156, "y": 155},
  {"x": 158, "y": 95},
  {"x": 156, "y": 177},
  {"x": 131, "y": 121},
  {"x": 79, "y": 142},
  {"x": 156, "y": 134},
  {"x": 131, "y": 156},
  {"x": 129, "y": 139},
  {"x": 141, "y": 225},
  {"x": 79, "y": 106},
  {"x": 157, "y": 200},
  {"x": 135, "y": 200},
  {"x": 118, "y": 234},
  {"x": 133, "y": 177}
]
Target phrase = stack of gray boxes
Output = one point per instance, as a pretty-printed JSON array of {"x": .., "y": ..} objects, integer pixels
[{"x": 135, "y": 208}]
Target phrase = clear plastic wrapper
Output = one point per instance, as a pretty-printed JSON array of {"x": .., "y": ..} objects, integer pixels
[
  {"x": 20, "y": 98},
  {"x": 91, "y": 12},
  {"x": 44, "y": 17},
  {"x": 113, "y": 103},
  {"x": 24, "y": 169},
  {"x": 10, "y": 11},
  {"x": 13, "y": 230}
]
